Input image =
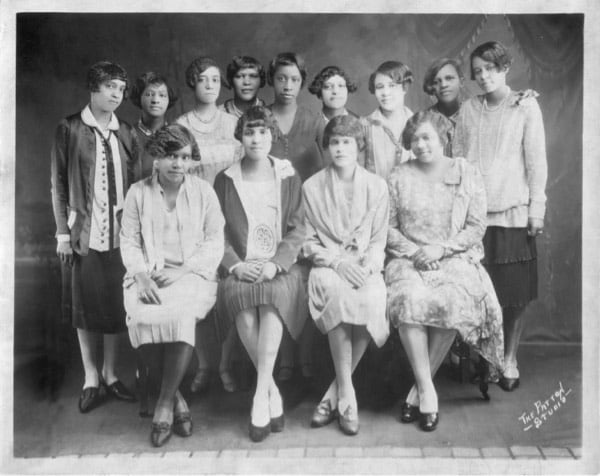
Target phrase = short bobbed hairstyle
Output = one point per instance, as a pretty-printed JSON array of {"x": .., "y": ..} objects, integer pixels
[
  {"x": 257, "y": 116},
  {"x": 150, "y": 78},
  {"x": 242, "y": 62},
  {"x": 328, "y": 72},
  {"x": 286, "y": 59},
  {"x": 169, "y": 139},
  {"x": 417, "y": 121},
  {"x": 494, "y": 52},
  {"x": 197, "y": 67},
  {"x": 434, "y": 69},
  {"x": 104, "y": 71},
  {"x": 347, "y": 126},
  {"x": 398, "y": 71}
]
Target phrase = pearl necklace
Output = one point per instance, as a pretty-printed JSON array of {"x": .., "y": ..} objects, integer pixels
[
  {"x": 206, "y": 121},
  {"x": 485, "y": 107}
]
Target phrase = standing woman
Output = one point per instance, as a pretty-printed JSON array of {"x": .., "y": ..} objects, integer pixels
[
  {"x": 246, "y": 76},
  {"x": 171, "y": 242},
  {"x": 436, "y": 284},
  {"x": 264, "y": 290},
  {"x": 213, "y": 130},
  {"x": 502, "y": 134},
  {"x": 153, "y": 95},
  {"x": 346, "y": 219},
  {"x": 331, "y": 86},
  {"x": 389, "y": 83},
  {"x": 93, "y": 161}
]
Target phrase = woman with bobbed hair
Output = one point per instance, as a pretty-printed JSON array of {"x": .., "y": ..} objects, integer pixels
[
  {"x": 171, "y": 242},
  {"x": 263, "y": 290},
  {"x": 502, "y": 133},
  {"x": 436, "y": 284},
  {"x": 152, "y": 94},
  {"x": 346, "y": 218},
  {"x": 389, "y": 83},
  {"x": 245, "y": 75}
]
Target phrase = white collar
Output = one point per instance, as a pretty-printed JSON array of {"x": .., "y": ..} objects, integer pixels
[{"x": 88, "y": 118}]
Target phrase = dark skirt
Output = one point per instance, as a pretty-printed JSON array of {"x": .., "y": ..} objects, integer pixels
[
  {"x": 286, "y": 292},
  {"x": 511, "y": 261},
  {"x": 97, "y": 292}
]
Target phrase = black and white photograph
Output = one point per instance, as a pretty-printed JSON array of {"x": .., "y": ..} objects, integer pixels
[{"x": 243, "y": 237}]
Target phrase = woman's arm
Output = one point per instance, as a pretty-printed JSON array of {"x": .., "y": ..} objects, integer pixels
[
  {"x": 230, "y": 257},
  {"x": 59, "y": 178},
  {"x": 398, "y": 245},
  {"x": 375, "y": 253},
  {"x": 131, "y": 243},
  {"x": 313, "y": 248},
  {"x": 534, "y": 151}
]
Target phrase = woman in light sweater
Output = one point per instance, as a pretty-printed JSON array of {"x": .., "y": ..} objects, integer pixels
[{"x": 503, "y": 134}]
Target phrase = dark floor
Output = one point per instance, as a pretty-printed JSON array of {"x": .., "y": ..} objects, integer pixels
[{"x": 50, "y": 425}]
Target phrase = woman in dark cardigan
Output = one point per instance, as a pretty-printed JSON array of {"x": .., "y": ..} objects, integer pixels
[{"x": 263, "y": 291}]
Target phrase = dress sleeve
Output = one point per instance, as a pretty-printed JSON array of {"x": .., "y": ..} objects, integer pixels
[
  {"x": 534, "y": 150},
  {"x": 209, "y": 252},
  {"x": 375, "y": 253},
  {"x": 130, "y": 237},
  {"x": 459, "y": 142},
  {"x": 59, "y": 178},
  {"x": 313, "y": 247},
  {"x": 398, "y": 245},
  {"x": 230, "y": 257}
]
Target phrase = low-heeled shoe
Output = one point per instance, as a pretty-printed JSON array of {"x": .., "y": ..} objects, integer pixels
[
  {"x": 409, "y": 413},
  {"x": 323, "y": 414},
  {"x": 277, "y": 424},
  {"x": 259, "y": 433},
  {"x": 429, "y": 421},
  {"x": 508, "y": 384},
  {"x": 348, "y": 425},
  {"x": 160, "y": 434},
  {"x": 89, "y": 399},
  {"x": 119, "y": 391},
  {"x": 182, "y": 424}
]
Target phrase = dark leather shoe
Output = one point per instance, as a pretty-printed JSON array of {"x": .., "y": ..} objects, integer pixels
[
  {"x": 89, "y": 399},
  {"x": 323, "y": 414},
  {"x": 160, "y": 434},
  {"x": 508, "y": 384},
  {"x": 182, "y": 424},
  {"x": 429, "y": 421},
  {"x": 259, "y": 433},
  {"x": 277, "y": 424},
  {"x": 409, "y": 413},
  {"x": 348, "y": 421},
  {"x": 119, "y": 391}
]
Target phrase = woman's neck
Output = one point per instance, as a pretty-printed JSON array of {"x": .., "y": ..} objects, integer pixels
[
  {"x": 169, "y": 188},
  {"x": 436, "y": 168},
  {"x": 448, "y": 108},
  {"x": 284, "y": 109},
  {"x": 253, "y": 168},
  {"x": 345, "y": 174},
  {"x": 497, "y": 96},
  {"x": 152, "y": 123},
  {"x": 102, "y": 117},
  {"x": 330, "y": 113},
  {"x": 393, "y": 115},
  {"x": 205, "y": 110},
  {"x": 242, "y": 105}
]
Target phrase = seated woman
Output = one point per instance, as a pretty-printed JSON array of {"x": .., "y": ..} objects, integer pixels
[
  {"x": 171, "y": 243},
  {"x": 436, "y": 284},
  {"x": 263, "y": 291},
  {"x": 346, "y": 223}
]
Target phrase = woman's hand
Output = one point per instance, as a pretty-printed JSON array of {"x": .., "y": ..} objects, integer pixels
[
  {"x": 147, "y": 290},
  {"x": 268, "y": 272},
  {"x": 426, "y": 255},
  {"x": 248, "y": 272},
  {"x": 167, "y": 276},
  {"x": 65, "y": 252},
  {"x": 352, "y": 272},
  {"x": 535, "y": 226}
]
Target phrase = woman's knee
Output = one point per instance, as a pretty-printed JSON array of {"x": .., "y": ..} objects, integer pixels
[{"x": 246, "y": 320}]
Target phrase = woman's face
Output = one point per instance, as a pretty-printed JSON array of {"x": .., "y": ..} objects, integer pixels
[
  {"x": 334, "y": 92},
  {"x": 426, "y": 144},
  {"x": 287, "y": 82},
  {"x": 155, "y": 100},
  {"x": 246, "y": 83},
  {"x": 172, "y": 169},
  {"x": 343, "y": 151},
  {"x": 257, "y": 142},
  {"x": 446, "y": 84},
  {"x": 208, "y": 86},
  {"x": 389, "y": 94},
  {"x": 487, "y": 75},
  {"x": 109, "y": 95}
]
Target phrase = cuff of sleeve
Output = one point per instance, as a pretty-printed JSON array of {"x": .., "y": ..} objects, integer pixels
[
  {"x": 62, "y": 238},
  {"x": 230, "y": 270},
  {"x": 537, "y": 209}
]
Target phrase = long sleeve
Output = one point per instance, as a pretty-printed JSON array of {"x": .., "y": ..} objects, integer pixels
[
  {"x": 313, "y": 248},
  {"x": 230, "y": 257},
  {"x": 375, "y": 253},
  {"x": 59, "y": 178},
  {"x": 398, "y": 245},
  {"x": 291, "y": 242},
  {"x": 130, "y": 237},
  {"x": 209, "y": 251},
  {"x": 459, "y": 142},
  {"x": 534, "y": 150}
]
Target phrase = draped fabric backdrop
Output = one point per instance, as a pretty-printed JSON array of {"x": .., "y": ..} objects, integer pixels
[{"x": 54, "y": 52}]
